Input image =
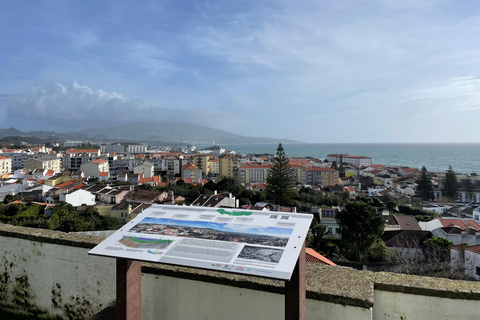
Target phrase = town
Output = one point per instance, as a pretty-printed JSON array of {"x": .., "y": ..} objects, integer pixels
[{"x": 79, "y": 187}]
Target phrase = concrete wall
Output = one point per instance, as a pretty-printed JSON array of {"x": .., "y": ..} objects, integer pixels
[{"x": 50, "y": 272}]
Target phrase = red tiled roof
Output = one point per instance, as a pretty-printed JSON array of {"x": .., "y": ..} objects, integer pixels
[
  {"x": 453, "y": 222},
  {"x": 50, "y": 173},
  {"x": 349, "y": 189},
  {"x": 475, "y": 248},
  {"x": 65, "y": 184},
  {"x": 315, "y": 257},
  {"x": 458, "y": 247},
  {"x": 103, "y": 174},
  {"x": 473, "y": 224},
  {"x": 189, "y": 166},
  {"x": 98, "y": 161},
  {"x": 4, "y": 158}
]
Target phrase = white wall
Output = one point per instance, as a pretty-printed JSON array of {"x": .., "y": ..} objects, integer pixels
[
  {"x": 63, "y": 279},
  {"x": 395, "y": 305},
  {"x": 77, "y": 282}
]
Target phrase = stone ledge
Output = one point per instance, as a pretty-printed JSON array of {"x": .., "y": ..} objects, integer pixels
[
  {"x": 49, "y": 236},
  {"x": 340, "y": 285}
]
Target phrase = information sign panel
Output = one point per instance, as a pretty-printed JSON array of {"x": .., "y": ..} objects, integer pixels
[{"x": 261, "y": 243}]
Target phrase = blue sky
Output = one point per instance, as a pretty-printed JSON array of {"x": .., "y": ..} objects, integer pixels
[{"x": 315, "y": 71}]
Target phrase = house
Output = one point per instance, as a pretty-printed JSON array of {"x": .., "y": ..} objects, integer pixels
[
  {"x": 93, "y": 168},
  {"x": 221, "y": 200},
  {"x": 467, "y": 258},
  {"x": 408, "y": 172},
  {"x": 146, "y": 169},
  {"x": 408, "y": 242},
  {"x": 104, "y": 176},
  {"x": 78, "y": 197},
  {"x": 457, "y": 235}
]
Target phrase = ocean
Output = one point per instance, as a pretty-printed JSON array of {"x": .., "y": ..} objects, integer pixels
[{"x": 463, "y": 157}]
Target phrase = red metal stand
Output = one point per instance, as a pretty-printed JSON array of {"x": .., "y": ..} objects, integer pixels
[
  {"x": 295, "y": 290},
  {"x": 129, "y": 297}
]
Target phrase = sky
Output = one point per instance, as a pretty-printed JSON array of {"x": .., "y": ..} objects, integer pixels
[{"x": 315, "y": 71}]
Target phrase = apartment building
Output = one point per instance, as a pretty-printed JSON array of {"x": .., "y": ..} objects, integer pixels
[
  {"x": 94, "y": 167},
  {"x": 50, "y": 163},
  {"x": 253, "y": 173},
  {"x": 321, "y": 176},
  {"x": 5, "y": 165},
  {"x": 201, "y": 161},
  {"x": 227, "y": 166}
]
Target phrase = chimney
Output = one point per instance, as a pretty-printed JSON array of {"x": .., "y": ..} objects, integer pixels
[
  {"x": 237, "y": 203},
  {"x": 215, "y": 192},
  {"x": 230, "y": 196}
]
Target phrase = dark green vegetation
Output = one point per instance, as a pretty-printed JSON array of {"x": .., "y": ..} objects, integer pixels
[
  {"x": 425, "y": 186},
  {"x": 450, "y": 184},
  {"x": 280, "y": 179},
  {"x": 64, "y": 217},
  {"x": 361, "y": 226}
]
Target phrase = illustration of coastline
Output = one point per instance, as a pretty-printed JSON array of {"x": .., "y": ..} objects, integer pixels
[
  {"x": 145, "y": 243},
  {"x": 268, "y": 236}
]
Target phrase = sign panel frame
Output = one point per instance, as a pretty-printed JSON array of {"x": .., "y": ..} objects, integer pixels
[{"x": 259, "y": 243}]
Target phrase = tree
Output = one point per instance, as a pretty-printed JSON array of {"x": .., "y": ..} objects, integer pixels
[
  {"x": 361, "y": 226},
  {"x": 280, "y": 178},
  {"x": 425, "y": 186},
  {"x": 450, "y": 184},
  {"x": 389, "y": 202}
]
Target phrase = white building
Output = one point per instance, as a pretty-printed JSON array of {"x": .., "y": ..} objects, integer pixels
[
  {"x": 94, "y": 167},
  {"x": 146, "y": 168},
  {"x": 78, "y": 197},
  {"x": 5, "y": 165},
  {"x": 356, "y": 161}
]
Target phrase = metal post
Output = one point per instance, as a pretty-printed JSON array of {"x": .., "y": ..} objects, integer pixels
[
  {"x": 295, "y": 290},
  {"x": 129, "y": 299}
]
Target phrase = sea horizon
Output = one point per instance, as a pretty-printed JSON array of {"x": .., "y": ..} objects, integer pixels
[{"x": 436, "y": 157}]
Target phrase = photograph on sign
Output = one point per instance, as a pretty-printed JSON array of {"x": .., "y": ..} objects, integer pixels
[{"x": 258, "y": 243}]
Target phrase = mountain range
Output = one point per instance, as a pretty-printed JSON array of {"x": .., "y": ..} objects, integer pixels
[{"x": 160, "y": 133}]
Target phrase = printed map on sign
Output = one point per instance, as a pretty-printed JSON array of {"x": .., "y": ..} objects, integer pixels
[{"x": 249, "y": 242}]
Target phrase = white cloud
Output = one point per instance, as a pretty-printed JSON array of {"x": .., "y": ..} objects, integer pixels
[{"x": 63, "y": 108}]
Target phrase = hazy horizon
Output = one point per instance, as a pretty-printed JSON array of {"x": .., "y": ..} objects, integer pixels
[{"x": 349, "y": 71}]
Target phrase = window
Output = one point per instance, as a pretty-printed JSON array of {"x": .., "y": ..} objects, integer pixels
[{"x": 477, "y": 271}]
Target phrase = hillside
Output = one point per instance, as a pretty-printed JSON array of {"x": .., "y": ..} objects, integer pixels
[{"x": 152, "y": 132}]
